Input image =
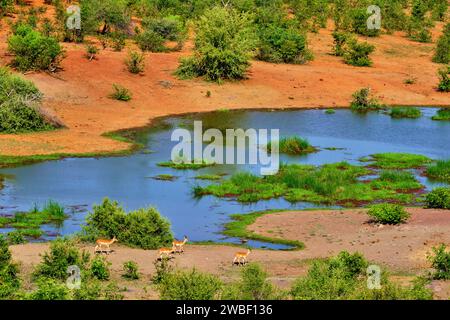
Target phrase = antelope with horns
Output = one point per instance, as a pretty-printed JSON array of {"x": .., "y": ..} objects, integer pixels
[
  {"x": 100, "y": 243},
  {"x": 178, "y": 245},
  {"x": 241, "y": 257}
]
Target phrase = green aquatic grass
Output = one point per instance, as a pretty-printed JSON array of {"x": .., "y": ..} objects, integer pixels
[
  {"x": 397, "y": 160},
  {"x": 211, "y": 177},
  {"x": 238, "y": 228},
  {"x": 337, "y": 183},
  {"x": 186, "y": 165},
  {"x": 439, "y": 171},
  {"x": 405, "y": 112},
  {"x": 330, "y": 111},
  {"x": 165, "y": 177},
  {"x": 442, "y": 115},
  {"x": 293, "y": 146}
]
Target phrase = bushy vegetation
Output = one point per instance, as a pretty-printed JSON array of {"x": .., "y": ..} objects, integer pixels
[
  {"x": 120, "y": 93},
  {"x": 364, "y": 102},
  {"x": 395, "y": 160},
  {"x": 405, "y": 112},
  {"x": 143, "y": 228},
  {"x": 186, "y": 165},
  {"x": 444, "y": 79},
  {"x": 440, "y": 261},
  {"x": 439, "y": 198},
  {"x": 387, "y": 213},
  {"x": 19, "y": 105},
  {"x": 34, "y": 51},
  {"x": 344, "y": 277},
  {"x": 439, "y": 171},
  {"x": 442, "y": 52},
  {"x": 91, "y": 52},
  {"x": 149, "y": 40},
  {"x": 9, "y": 280},
  {"x": 135, "y": 62},
  {"x": 131, "y": 270},
  {"x": 442, "y": 115},
  {"x": 357, "y": 53},
  {"x": 293, "y": 145},
  {"x": 169, "y": 28},
  {"x": 99, "y": 268},
  {"x": 224, "y": 45}
]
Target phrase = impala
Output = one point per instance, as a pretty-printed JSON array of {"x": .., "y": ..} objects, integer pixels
[
  {"x": 104, "y": 243},
  {"x": 178, "y": 245},
  {"x": 166, "y": 252},
  {"x": 241, "y": 257}
]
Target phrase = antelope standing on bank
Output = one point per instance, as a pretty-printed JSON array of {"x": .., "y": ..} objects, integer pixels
[
  {"x": 166, "y": 252},
  {"x": 241, "y": 257},
  {"x": 178, "y": 245},
  {"x": 104, "y": 243}
]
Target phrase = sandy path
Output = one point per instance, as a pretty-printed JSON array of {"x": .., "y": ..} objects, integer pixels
[{"x": 79, "y": 95}]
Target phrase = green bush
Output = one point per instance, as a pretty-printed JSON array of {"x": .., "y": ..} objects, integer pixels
[
  {"x": 163, "y": 269},
  {"x": 120, "y": 93},
  {"x": 189, "y": 285},
  {"x": 143, "y": 228},
  {"x": 149, "y": 40},
  {"x": 9, "y": 280},
  {"x": 135, "y": 62},
  {"x": 439, "y": 198},
  {"x": 363, "y": 102},
  {"x": 442, "y": 52},
  {"x": 387, "y": 213},
  {"x": 33, "y": 51},
  {"x": 131, "y": 270},
  {"x": 293, "y": 146},
  {"x": 6, "y": 6},
  {"x": 340, "y": 42},
  {"x": 444, "y": 79},
  {"x": 49, "y": 289},
  {"x": 169, "y": 28},
  {"x": 440, "y": 261},
  {"x": 224, "y": 45},
  {"x": 442, "y": 115},
  {"x": 100, "y": 268},
  {"x": 357, "y": 53},
  {"x": 406, "y": 112}
]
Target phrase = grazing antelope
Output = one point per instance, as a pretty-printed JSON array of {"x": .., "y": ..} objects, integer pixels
[
  {"x": 166, "y": 252},
  {"x": 178, "y": 245},
  {"x": 104, "y": 243},
  {"x": 241, "y": 257}
]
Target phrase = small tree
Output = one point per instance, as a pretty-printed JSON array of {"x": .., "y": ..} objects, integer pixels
[
  {"x": 442, "y": 52},
  {"x": 364, "y": 102},
  {"x": 357, "y": 53},
  {"x": 444, "y": 79}
]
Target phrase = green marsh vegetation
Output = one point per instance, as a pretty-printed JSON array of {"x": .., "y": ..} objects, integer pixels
[
  {"x": 405, "y": 112},
  {"x": 165, "y": 177},
  {"x": 393, "y": 160},
  {"x": 211, "y": 177},
  {"x": 363, "y": 101},
  {"x": 338, "y": 183},
  {"x": 293, "y": 146},
  {"x": 439, "y": 171},
  {"x": 439, "y": 198},
  {"x": 186, "y": 165},
  {"x": 442, "y": 115}
]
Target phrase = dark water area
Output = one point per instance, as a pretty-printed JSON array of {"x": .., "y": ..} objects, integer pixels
[{"x": 77, "y": 183}]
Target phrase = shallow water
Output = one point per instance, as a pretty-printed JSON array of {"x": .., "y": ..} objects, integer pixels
[{"x": 80, "y": 182}]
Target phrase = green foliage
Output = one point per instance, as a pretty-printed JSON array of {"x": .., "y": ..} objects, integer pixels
[
  {"x": 91, "y": 52},
  {"x": 143, "y": 228},
  {"x": 439, "y": 171},
  {"x": 357, "y": 53},
  {"x": 340, "y": 42},
  {"x": 170, "y": 28},
  {"x": 6, "y": 6},
  {"x": 131, "y": 270},
  {"x": 50, "y": 289},
  {"x": 440, "y": 261},
  {"x": 34, "y": 51},
  {"x": 394, "y": 160},
  {"x": 9, "y": 281},
  {"x": 15, "y": 237},
  {"x": 444, "y": 79},
  {"x": 439, "y": 198},
  {"x": 364, "y": 102},
  {"x": 186, "y": 165},
  {"x": 100, "y": 268},
  {"x": 149, "y": 40},
  {"x": 293, "y": 145},
  {"x": 111, "y": 15},
  {"x": 442, "y": 115},
  {"x": 120, "y": 93},
  {"x": 135, "y": 62},
  {"x": 224, "y": 45},
  {"x": 189, "y": 285},
  {"x": 442, "y": 52},
  {"x": 163, "y": 270},
  {"x": 212, "y": 177},
  {"x": 387, "y": 213},
  {"x": 63, "y": 253},
  {"x": 406, "y": 112}
]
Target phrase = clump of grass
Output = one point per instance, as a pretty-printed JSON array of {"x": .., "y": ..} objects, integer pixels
[
  {"x": 330, "y": 111},
  {"x": 392, "y": 160},
  {"x": 120, "y": 93},
  {"x": 131, "y": 270},
  {"x": 442, "y": 115},
  {"x": 293, "y": 146},
  {"x": 410, "y": 80},
  {"x": 185, "y": 165},
  {"x": 165, "y": 177},
  {"x": 212, "y": 177},
  {"x": 387, "y": 213},
  {"x": 396, "y": 180},
  {"x": 91, "y": 52},
  {"x": 439, "y": 171},
  {"x": 364, "y": 102},
  {"x": 135, "y": 62},
  {"x": 439, "y": 198},
  {"x": 411, "y": 113}
]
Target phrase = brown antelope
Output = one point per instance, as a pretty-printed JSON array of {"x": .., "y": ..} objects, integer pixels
[
  {"x": 166, "y": 252},
  {"x": 104, "y": 243},
  {"x": 178, "y": 245},
  {"x": 241, "y": 257}
]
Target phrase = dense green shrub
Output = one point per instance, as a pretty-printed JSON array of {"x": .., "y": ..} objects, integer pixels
[
  {"x": 6, "y": 6},
  {"x": 120, "y": 93},
  {"x": 9, "y": 280},
  {"x": 439, "y": 198},
  {"x": 444, "y": 79},
  {"x": 387, "y": 213},
  {"x": 442, "y": 52},
  {"x": 34, "y": 51},
  {"x": 442, "y": 114},
  {"x": 189, "y": 285},
  {"x": 163, "y": 269},
  {"x": 170, "y": 28},
  {"x": 110, "y": 15},
  {"x": 49, "y": 289},
  {"x": 224, "y": 45},
  {"x": 293, "y": 145},
  {"x": 357, "y": 53},
  {"x": 100, "y": 268},
  {"x": 135, "y": 62},
  {"x": 440, "y": 261},
  {"x": 359, "y": 17},
  {"x": 149, "y": 40},
  {"x": 143, "y": 228},
  {"x": 363, "y": 102},
  {"x": 131, "y": 270},
  {"x": 340, "y": 42}
]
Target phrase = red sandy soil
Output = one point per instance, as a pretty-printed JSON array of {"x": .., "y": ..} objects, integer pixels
[
  {"x": 400, "y": 249},
  {"x": 78, "y": 95}
]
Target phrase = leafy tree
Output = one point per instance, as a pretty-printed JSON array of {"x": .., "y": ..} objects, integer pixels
[{"x": 442, "y": 52}]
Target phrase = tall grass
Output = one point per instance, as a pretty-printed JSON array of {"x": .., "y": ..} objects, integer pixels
[
  {"x": 412, "y": 113},
  {"x": 293, "y": 146},
  {"x": 442, "y": 115},
  {"x": 439, "y": 171}
]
